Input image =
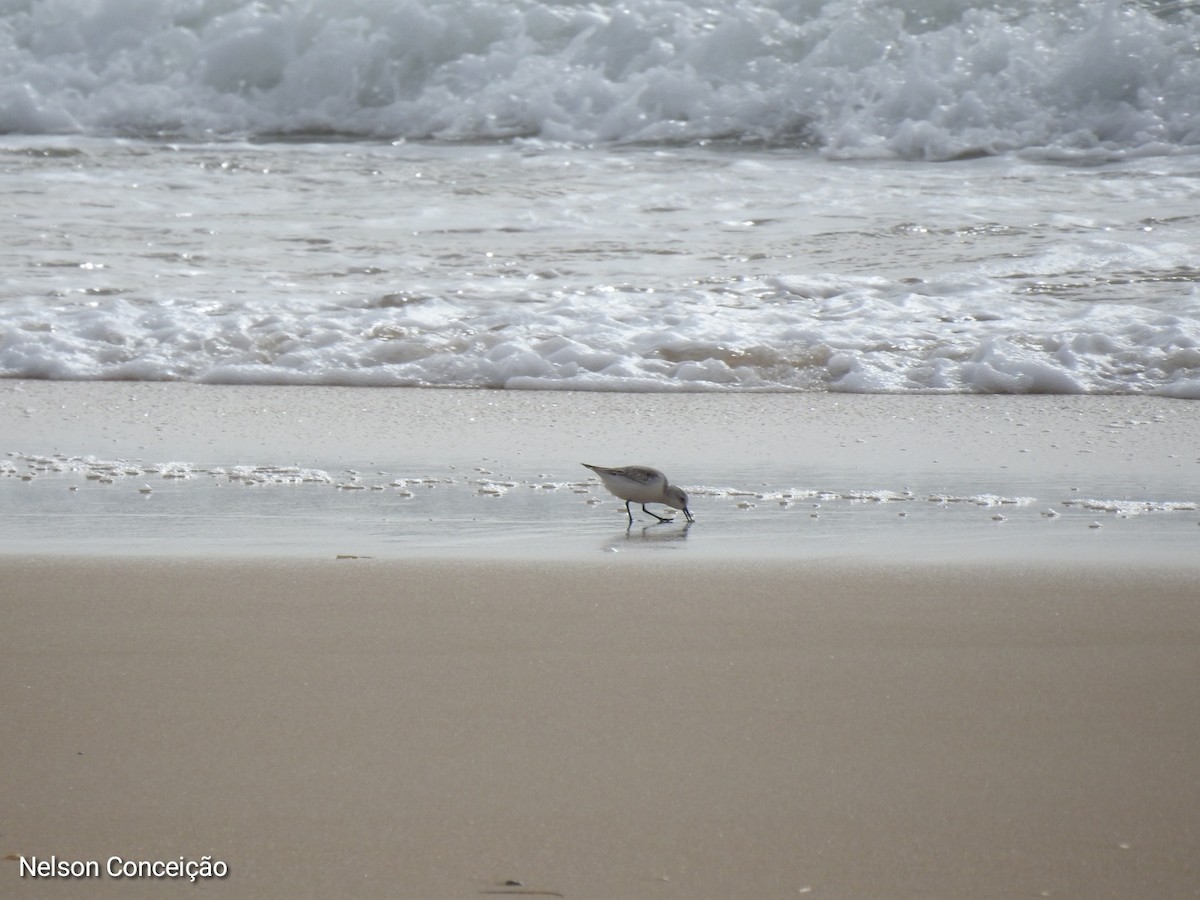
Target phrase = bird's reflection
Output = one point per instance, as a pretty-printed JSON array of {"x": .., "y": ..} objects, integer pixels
[{"x": 658, "y": 535}]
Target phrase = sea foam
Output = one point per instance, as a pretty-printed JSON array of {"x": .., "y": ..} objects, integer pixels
[
  {"x": 929, "y": 79},
  {"x": 577, "y": 343}
]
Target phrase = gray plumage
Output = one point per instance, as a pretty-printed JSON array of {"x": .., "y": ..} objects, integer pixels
[{"x": 642, "y": 485}]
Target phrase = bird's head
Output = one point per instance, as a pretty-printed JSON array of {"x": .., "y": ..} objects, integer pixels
[{"x": 678, "y": 498}]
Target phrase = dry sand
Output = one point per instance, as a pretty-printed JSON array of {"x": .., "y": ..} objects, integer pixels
[{"x": 665, "y": 724}]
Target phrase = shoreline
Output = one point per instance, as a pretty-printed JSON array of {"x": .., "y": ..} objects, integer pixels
[{"x": 180, "y": 469}]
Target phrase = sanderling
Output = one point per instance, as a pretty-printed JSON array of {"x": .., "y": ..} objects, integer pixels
[{"x": 641, "y": 484}]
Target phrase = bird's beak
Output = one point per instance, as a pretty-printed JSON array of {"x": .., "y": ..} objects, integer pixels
[{"x": 688, "y": 514}]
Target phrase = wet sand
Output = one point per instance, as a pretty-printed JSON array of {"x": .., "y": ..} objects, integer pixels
[{"x": 617, "y": 729}]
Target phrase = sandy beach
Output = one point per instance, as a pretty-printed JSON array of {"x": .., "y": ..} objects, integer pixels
[
  {"x": 315, "y": 318},
  {"x": 852, "y": 692}
]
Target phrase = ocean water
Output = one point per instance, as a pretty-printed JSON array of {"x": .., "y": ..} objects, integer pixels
[{"x": 851, "y": 195}]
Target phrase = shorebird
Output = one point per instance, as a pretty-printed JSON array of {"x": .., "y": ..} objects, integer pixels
[{"x": 641, "y": 484}]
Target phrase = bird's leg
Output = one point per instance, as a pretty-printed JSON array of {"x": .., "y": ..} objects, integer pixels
[
  {"x": 630, "y": 511},
  {"x": 656, "y": 515}
]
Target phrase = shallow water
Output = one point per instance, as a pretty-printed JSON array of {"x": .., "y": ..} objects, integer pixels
[
  {"x": 645, "y": 269},
  {"x": 74, "y": 505}
]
